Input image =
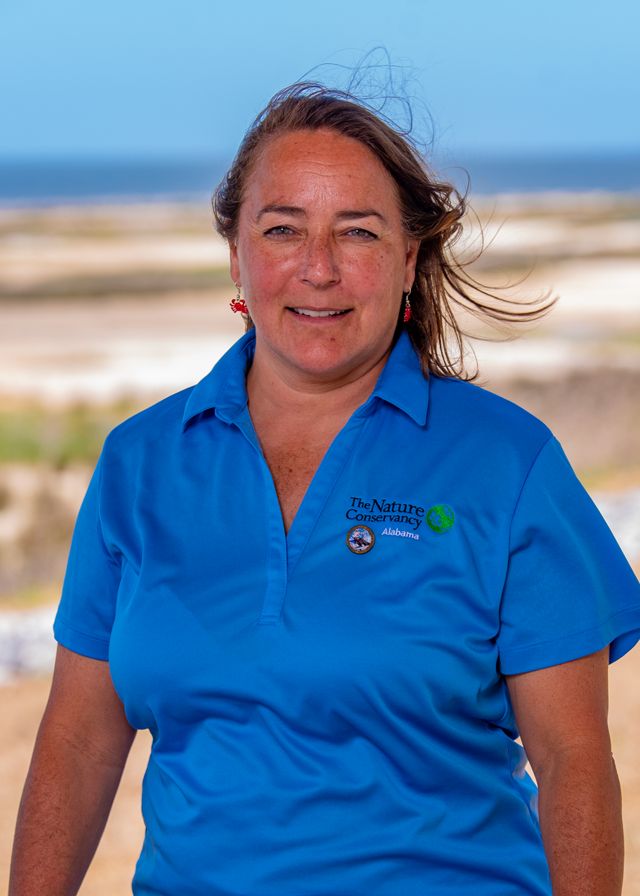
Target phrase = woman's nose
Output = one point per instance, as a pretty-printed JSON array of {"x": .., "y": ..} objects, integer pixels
[{"x": 319, "y": 265}]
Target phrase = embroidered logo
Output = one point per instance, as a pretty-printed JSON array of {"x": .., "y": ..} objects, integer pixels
[
  {"x": 360, "y": 539},
  {"x": 382, "y": 510},
  {"x": 440, "y": 517}
]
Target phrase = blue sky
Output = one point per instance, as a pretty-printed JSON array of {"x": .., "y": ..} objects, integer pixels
[{"x": 159, "y": 78}]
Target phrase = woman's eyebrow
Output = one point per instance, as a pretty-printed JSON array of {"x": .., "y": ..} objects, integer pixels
[
  {"x": 300, "y": 212},
  {"x": 361, "y": 213},
  {"x": 280, "y": 210}
]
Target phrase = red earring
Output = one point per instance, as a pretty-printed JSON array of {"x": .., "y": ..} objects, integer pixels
[
  {"x": 238, "y": 304},
  {"x": 407, "y": 308}
]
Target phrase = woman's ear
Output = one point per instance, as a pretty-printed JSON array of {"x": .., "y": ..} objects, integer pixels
[
  {"x": 234, "y": 267},
  {"x": 411, "y": 259}
]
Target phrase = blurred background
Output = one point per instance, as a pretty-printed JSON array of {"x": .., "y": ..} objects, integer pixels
[{"x": 117, "y": 123}]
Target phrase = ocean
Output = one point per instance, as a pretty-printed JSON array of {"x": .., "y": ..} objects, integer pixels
[{"x": 61, "y": 181}]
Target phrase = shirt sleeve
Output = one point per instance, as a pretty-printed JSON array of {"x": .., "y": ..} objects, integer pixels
[
  {"x": 569, "y": 589},
  {"x": 87, "y": 604}
]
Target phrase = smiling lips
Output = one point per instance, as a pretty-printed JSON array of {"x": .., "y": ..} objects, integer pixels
[{"x": 322, "y": 313}]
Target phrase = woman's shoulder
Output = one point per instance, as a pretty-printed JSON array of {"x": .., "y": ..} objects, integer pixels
[
  {"x": 155, "y": 422},
  {"x": 167, "y": 418},
  {"x": 483, "y": 416}
]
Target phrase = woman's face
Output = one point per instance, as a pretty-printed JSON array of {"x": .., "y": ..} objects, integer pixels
[{"x": 322, "y": 256}]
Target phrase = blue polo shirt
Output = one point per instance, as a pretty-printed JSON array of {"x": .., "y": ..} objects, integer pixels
[{"x": 328, "y": 708}]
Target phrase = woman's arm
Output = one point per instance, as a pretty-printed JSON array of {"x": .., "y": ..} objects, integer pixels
[
  {"x": 561, "y": 713},
  {"x": 80, "y": 752}
]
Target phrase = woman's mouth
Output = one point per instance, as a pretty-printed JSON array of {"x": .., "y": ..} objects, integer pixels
[{"x": 320, "y": 313}]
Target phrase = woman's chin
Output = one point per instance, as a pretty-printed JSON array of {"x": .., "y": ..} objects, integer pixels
[
  {"x": 329, "y": 364},
  {"x": 321, "y": 368}
]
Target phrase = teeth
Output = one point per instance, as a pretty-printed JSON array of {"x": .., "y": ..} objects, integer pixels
[{"x": 310, "y": 313}]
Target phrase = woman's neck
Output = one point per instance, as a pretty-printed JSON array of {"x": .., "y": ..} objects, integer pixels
[{"x": 281, "y": 394}]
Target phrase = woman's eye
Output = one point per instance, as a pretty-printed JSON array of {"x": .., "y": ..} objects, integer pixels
[
  {"x": 361, "y": 233},
  {"x": 280, "y": 230}
]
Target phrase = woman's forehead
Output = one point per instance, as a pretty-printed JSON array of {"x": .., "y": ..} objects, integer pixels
[{"x": 318, "y": 161}]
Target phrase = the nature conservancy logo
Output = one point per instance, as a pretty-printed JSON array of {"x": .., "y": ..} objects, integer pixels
[
  {"x": 439, "y": 518},
  {"x": 380, "y": 510},
  {"x": 360, "y": 539}
]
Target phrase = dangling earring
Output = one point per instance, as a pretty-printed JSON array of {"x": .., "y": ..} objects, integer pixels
[
  {"x": 407, "y": 308},
  {"x": 238, "y": 304}
]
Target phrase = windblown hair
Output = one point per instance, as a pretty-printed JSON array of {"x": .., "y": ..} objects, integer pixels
[{"x": 432, "y": 211}]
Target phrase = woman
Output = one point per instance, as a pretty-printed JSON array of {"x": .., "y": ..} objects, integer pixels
[{"x": 335, "y": 580}]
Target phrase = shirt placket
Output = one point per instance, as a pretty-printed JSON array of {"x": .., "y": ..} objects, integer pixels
[{"x": 285, "y": 550}]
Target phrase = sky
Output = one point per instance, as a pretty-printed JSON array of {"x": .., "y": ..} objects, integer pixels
[{"x": 136, "y": 78}]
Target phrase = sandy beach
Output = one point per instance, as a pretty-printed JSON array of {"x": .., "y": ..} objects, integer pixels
[{"x": 100, "y": 301}]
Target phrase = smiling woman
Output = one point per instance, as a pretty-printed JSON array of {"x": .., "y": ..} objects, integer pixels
[
  {"x": 324, "y": 259},
  {"x": 336, "y": 581},
  {"x": 422, "y": 214}
]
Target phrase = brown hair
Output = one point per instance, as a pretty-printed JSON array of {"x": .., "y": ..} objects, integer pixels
[{"x": 432, "y": 211}]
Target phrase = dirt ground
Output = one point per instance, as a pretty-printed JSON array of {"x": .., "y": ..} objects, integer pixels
[{"x": 112, "y": 869}]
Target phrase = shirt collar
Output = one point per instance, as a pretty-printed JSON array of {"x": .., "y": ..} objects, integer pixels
[
  {"x": 224, "y": 387},
  {"x": 401, "y": 383}
]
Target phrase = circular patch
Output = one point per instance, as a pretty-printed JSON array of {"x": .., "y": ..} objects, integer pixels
[
  {"x": 360, "y": 539},
  {"x": 440, "y": 517}
]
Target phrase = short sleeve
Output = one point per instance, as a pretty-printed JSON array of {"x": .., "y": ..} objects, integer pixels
[
  {"x": 87, "y": 604},
  {"x": 569, "y": 589}
]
